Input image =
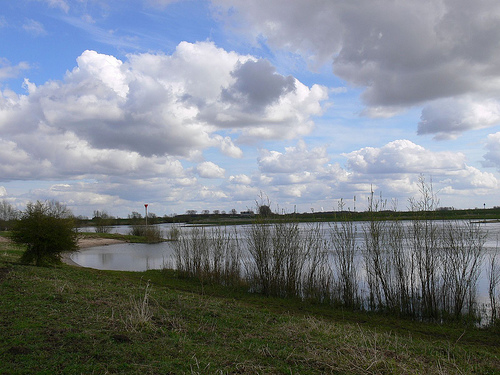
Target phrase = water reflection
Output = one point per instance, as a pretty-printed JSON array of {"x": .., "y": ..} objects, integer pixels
[{"x": 125, "y": 257}]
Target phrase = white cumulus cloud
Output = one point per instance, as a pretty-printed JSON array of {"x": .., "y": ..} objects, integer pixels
[
  {"x": 448, "y": 118},
  {"x": 142, "y": 116},
  {"x": 295, "y": 159},
  {"x": 402, "y": 156},
  {"x": 156, "y": 104},
  {"x": 208, "y": 169}
]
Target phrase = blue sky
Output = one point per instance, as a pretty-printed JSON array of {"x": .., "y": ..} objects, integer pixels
[{"x": 205, "y": 105}]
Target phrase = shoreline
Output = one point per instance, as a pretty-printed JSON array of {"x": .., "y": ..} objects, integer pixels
[{"x": 84, "y": 243}]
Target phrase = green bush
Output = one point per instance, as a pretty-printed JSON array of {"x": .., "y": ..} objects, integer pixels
[{"x": 47, "y": 230}]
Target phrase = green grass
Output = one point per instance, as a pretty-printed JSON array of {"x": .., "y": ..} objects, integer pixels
[{"x": 70, "y": 320}]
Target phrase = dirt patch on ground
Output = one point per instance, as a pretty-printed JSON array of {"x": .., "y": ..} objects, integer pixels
[{"x": 4, "y": 239}]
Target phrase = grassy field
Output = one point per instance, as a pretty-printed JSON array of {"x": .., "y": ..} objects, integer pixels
[{"x": 70, "y": 320}]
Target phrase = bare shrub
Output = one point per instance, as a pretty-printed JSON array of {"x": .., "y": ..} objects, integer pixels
[
  {"x": 344, "y": 248},
  {"x": 423, "y": 268},
  {"x": 224, "y": 256},
  {"x": 462, "y": 257},
  {"x": 174, "y": 233},
  {"x": 276, "y": 257},
  {"x": 428, "y": 269},
  {"x": 378, "y": 262},
  {"x": 447, "y": 258},
  {"x": 209, "y": 255},
  {"x": 317, "y": 274},
  {"x": 289, "y": 258},
  {"x": 425, "y": 243},
  {"x": 402, "y": 273},
  {"x": 260, "y": 261},
  {"x": 493, "y": 284}
]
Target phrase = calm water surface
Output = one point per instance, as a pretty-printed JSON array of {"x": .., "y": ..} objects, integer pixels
[
  {"x": 141, "y": 257},
  {"x": 125, "y": 257}
]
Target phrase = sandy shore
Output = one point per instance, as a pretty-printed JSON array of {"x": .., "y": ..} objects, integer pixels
[{"x": 84, "y": 243}]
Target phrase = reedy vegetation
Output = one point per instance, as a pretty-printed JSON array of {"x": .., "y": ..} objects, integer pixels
[
  {"x": 493, "y": 292},
  {"x": 424, "y": 269},
  {"x": 211, "y": 255}
]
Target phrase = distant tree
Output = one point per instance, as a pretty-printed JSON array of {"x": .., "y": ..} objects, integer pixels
[
  {"x": 47, "y": 230},
  {"x": 135, "y": 215},
  {"x": 191, "y": 212},
  {"x": 263, "y": 205},
  {"x": 234, "y": 212},
  {"x": 102, "y": 221},
  {"x": 7, "y": 214},
  {"x": 135, "y": 218},
  {"x": 205, "y": 212},
  {"x": 265, "y": 210},
  {"x": 152, "y": 218},
  {"x": 216, "y": 212}
]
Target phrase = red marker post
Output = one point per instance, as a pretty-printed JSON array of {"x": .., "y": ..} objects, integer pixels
[{"x": 146, "y": 207}]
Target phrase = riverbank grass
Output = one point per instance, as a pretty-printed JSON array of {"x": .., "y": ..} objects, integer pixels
[{"x": 75, "y": 320}]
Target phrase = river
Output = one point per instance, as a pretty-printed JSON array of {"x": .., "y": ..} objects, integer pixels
[{"x": 141, "y": 257}]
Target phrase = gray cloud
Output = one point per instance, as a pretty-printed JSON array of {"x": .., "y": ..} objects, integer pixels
[
  {"x": 403, "y": 53},
  {"x": 257, "y": 85}
]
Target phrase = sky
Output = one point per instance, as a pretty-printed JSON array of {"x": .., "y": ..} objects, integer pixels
[{"x": 223, "y": 104}]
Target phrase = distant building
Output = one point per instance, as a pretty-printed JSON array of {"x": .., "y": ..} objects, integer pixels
[{"x": 248, "y": 213}]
